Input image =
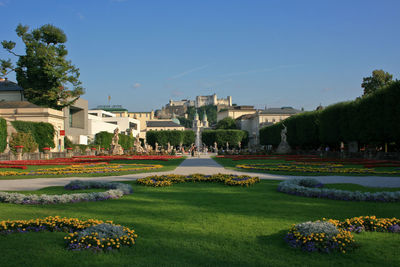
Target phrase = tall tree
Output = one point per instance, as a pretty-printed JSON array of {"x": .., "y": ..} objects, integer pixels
[
  {"x": 226, "y": 123},
  {"x": 48, "y": 78},
  {"x": 378, "y": 80}
]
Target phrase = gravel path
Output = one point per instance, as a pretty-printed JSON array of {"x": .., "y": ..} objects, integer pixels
[{"x": 204, "y": 165}]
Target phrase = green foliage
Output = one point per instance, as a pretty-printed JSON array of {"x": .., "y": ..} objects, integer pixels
[
  {"x": 104, "y": 139},
  {"x": 47, "y": 77},
  {"x": 189, "y": 137},
  {"x": 210, "y": 110},
  {"x": 375, "y": 82},
  {"x": 187, "y": 123},
  {"x": 226, "y": 123},
  {"x": 42, "y": 132},
  {"x": 174, "y": 137},
  {"x": 67, "y": 142},
  {"x": 222, "y": 136},
  {"x": 3, "y": 134},
  {"x": 373, "y": 119},
  {"x": 23, "y": 139},
  {"x": 126, "y": 141}
]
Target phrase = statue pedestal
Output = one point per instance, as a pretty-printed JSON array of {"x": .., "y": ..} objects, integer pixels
[
  {"x": 117, "y": 150},
  {"x": 283, "y": 148}
]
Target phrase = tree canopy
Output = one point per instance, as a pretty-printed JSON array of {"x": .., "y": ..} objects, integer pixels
[
  {"x": 378, "y": 80},
  {"x": 226, "y": 123},
  {"x": 48, "y": 78}
]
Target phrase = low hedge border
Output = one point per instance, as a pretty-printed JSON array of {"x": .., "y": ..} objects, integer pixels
[
  {"x": 309, "y": 187},
  {"x": 92, "y": 234},
  {"x": 116, "y": 190},
  {"x": 331, "y": 235},
  {"x": 227, "y": 179}
]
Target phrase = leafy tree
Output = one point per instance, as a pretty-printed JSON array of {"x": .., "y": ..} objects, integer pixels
[
  {"x": 47, "y": 77},
  {"x": 378, "y": 80},
  {"x": 226, "y": 123}
]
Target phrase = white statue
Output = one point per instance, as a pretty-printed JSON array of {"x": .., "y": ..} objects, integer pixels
[{"x": 283, "y": 134}]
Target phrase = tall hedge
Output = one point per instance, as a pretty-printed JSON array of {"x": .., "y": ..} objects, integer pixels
[
  {"x": 233, "y": 137},
  {"x": 174, "y": 137},
  {"x": 372, "y": 119},
  {"x": 3, "y": 134},
  {"x": 42, "y": 132},
  {"x": 104, "y": 139}
]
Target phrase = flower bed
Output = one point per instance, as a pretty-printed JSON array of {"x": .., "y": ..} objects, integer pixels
[
  {"x": 320, "y": 236},
  {"x": 314, "y": 168},
  {"x": 307, "y": 188},
  {"x": 227, "y": 179},
  {"x": 91, "y": 234},
  {"x": 85, "y": 169},
  {"x": 116, "y": 190},
  {"x": 13, "y": 167},
  {"x": 331, "y": 235}
]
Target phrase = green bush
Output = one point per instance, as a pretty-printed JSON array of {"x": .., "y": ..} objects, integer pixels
[
  {"x": 23, "y": 139},
  {"x": 3, "y": 134},
  {"x": 104, "y": 139},
  {"x": 174, "y": 137},
  {"x": 233, "y": 137},
  {"x": 42, "y": 132},
  {"x": 189, "y": 137}
]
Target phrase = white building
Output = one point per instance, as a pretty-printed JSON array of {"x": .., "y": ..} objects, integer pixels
[
  {"x": 252, "y": 123},
  {"x": 100, "y": 120}
]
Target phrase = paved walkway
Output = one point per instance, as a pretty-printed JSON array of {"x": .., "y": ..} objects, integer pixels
[{"x": 204, "y": 165}]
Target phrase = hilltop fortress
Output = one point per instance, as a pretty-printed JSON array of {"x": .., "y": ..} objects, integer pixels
[{"x": 180, "y": 107}]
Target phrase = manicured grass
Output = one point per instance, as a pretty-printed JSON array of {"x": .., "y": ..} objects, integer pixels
[
  {"x": 201, "y": 225},
  {"x": 356, "y": 187},
  {"x": 231, "y": 164},
  {"x": 167, "y": 166}
]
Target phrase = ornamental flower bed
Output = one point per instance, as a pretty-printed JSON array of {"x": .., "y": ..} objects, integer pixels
[
  {"x": 85, "y": 169},
  {"x": 94, "y": 235},
  {"x": 312, "y": 188},
  {"x": 320, "y": 236},
  {"x": 331, "y": 235},
  {"x": 116, "y": 190},
  {"x": 227, "y": 179},
  {"x": 315, "y": 168}
]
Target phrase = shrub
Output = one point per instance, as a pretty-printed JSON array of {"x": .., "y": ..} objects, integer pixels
[
  {"x": 3, "y": 134},
  {"x": 42, "y": 132},
  {"x": 304, "y": 187},
  {"x": 23, "y": 139}
]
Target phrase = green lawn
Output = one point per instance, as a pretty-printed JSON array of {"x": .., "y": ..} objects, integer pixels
[
  {"x": 201, "y": 224},
  {"x": 167, "y": 166},
  {"x": 231, "y": 164}
]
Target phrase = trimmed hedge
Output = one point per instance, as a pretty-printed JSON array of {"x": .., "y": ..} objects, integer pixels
[
  {"x": 42, "y": 132},
  {"x": 233, "y": 137},
  {"x": 104, "y": 139},
  {"x": 3, "y": 134},
  {"x": 174, "y": 137},
  {"x": 372, "y": 119}
]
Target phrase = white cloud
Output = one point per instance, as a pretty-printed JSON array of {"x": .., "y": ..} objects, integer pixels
[
  {"x": 81, "y": 16},
  {"x": 259, "y": 70},
  {"x": 179, "y": 75}
]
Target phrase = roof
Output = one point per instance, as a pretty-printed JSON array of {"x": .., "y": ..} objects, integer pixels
[
  {"x": 6, "y": 85},
  {"x": 282, "y": 110},
  {"x": 17, "y": 104},
  {"x": 162, "y": 124}
]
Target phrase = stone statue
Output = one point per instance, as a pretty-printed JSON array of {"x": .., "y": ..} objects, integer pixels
[
  {"x": 115, "y": 138},
  {"x": 227, "y": 145},
  {"x": 116, "y": 149},
  {"x": 283, "y": 133},
  {"x": 169, "y": 149},
  {"x": 138, "y": 145},
  {"x": 156, "y": 147},
  {"x": 240, "y": 144},
  {"x": 284, "y": 147},
  {"x": 215, "y": 147}
]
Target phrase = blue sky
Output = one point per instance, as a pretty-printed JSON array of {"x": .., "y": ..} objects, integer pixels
[{"x": 262, "y": 53}]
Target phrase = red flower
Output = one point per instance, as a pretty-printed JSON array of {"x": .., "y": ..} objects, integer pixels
[
  {"x": 19, "y": 146},
  {"x": 46, "y": 148}
]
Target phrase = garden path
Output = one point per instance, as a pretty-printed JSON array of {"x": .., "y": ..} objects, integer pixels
[{"x": 203, "y": 164}]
